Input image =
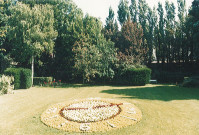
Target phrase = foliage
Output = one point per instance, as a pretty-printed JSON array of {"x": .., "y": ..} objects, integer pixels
[
  {"x": 191, "y": 82},
  {"x": 123, "y": 11},
  {"x": 6, "y": 86},
  {"x": 111, "y": 27},
  {"x": 134, "y": 76},
  {"x": 31, "y": 31},
  {"x": 169, "y": 77},
  {"x": 133, "y": 11},
  {"x": 69, "y": 25},
  {"x": 87, "y": 59},
  {"x": 193, "y": 24},
  {"x": 42, "y": 80},
  {"x": 134, "y": 48},
  {"x": 26, "y": 81},
  {"x": 4, "y": 62},
  {"x": 22, "y": 77}
]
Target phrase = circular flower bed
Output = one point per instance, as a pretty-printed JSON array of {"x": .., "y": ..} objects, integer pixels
[
  {"x": 90, "y": 111},
  {"x": 91, "y": 115}
]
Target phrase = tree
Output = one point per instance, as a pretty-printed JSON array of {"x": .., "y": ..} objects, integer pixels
[
  {"x": 193, "y": 24},
  {"x": 86, "y": 59},
  {"x": 152, "y": 20},
  {"x": 94, "y": 60},
  {"x": 109, "y": 27},
  {"x": 170, "y": 31},
  {"x": 161, "y": 36},
  {"x": 92, "y": 28},
  {"x": 123, "y": 11},
  {"x": 133, "y": 37},
  {"x": 133, "y": 11},
  {"x": 69, "y": 25},
  {"x": 2, "y": 23},
  {"x": 31, "y": 32},
  {"x": 143, "y": 8}
]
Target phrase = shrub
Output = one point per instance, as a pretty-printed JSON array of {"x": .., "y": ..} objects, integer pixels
[
  {"x": 6, "y": 84},
  {"x": 22, "y": 77},
  {"x": 41, "y": 80},
  {"x": 26, "y": 78},
  {"x": 134, "y": 76},
  {"x": 191, "y": 82},
  {"x": 169, "y": 77}
]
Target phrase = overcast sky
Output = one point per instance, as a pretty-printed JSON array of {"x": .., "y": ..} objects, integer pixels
[{"x": 100, "y": 8}]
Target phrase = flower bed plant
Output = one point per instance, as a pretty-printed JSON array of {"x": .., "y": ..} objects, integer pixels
[{"x": 6, "y": 86}]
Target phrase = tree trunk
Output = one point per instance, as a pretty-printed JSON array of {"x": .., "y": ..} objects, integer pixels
[{"x": 32, "y": 69}]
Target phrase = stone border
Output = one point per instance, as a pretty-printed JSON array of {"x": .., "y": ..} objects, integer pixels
[{"x": 129, "y": 115}]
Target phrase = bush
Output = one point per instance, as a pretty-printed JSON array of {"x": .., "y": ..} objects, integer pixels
[
  {"x": 40, "y": 80},
  {"x": 22, "y": 77},
  {"x": 6, "y": 86},
  {"x": 26, "y": 78},
  {"x": 191, "y": 82},
  {"x": 169, "y": 77},
  {"x": 134, "y": 76}
]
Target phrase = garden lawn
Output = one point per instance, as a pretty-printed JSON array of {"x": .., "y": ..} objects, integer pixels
[{"x": 166, "y": 109}]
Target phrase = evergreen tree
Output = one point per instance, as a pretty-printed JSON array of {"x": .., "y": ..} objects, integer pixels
[
  {"x": 193, "y": 24},
  {"x": 161, "y": 36},
  {"x": 123, "y": 11},
  {"x": 133, "y": 11},
  {"x": 109, "y": 27},
  {"x": 152, "y": 20},
  {"x": 170, "y": 31}
]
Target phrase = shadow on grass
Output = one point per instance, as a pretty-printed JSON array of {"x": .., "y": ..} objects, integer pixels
[{"x": 164, "y": 93}]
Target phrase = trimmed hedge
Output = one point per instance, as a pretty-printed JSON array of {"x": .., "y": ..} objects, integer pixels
[
  {"x": 26, "y": 78},
  {"x": 169, "y": 77},
  {"x": 135, "y": 77},
  {"x": 22, "y": 77},
  {"x": 41, "y": 80}
]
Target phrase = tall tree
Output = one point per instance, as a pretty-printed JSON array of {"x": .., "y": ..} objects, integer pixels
[
  {"x": 161, "y": 38},
  {"x": 69, "y": 25},
  {"x": 133, "y": 11},
  {"x": 180, "y": 30},
  {"x": 109, "y": 27},
  {"x": 123, "y": 11},
  {"x": 170, "y": 30},
  {"x": 143, "y": 8},
  {"x": 152, "y": 20},
  {"x": 2, "y": 23},
  {"x": 31, "y": 32},
  {"x": 133, "y": 37},
  {"x": 193, "y": 24}
]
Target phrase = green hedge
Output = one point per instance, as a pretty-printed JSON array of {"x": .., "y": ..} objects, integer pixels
[
  {"x": 169, "y": 77},
  {"x": 26, "y": 78},
  {"x": 22, "y": 77},
  {"x": 41, "y": 80},
  {"x": 135, "y": 77}
]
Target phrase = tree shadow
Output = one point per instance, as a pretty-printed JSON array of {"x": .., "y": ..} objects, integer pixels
[{"x": 164, "y": 93}]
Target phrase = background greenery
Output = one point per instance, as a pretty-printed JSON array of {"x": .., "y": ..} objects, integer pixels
[{"x": 62, "y": 42}]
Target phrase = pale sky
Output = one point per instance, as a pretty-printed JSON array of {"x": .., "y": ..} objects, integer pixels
[{"x": 100, "y": 8}]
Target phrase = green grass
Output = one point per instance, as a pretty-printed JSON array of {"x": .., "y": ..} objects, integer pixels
[{"x": 167, "y": 109}]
